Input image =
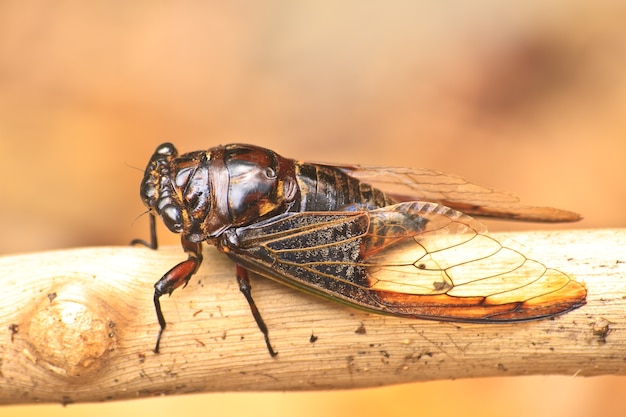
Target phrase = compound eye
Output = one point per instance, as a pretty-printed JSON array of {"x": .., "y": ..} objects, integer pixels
[
  {"x": 270, "y": 173},
  {"x": 166, "y": 149},
  {"x": 173, "y": 218}
]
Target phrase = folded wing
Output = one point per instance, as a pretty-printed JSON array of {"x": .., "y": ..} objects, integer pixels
[
  {"x": 413, "y": 259},
  {"x": 415, "y": 184}
]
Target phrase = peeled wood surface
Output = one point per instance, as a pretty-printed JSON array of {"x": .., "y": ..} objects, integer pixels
[{"x": 79, "y": 325}]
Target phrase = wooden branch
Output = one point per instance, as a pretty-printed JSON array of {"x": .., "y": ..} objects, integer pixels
[{"x": 79, "y": 325}]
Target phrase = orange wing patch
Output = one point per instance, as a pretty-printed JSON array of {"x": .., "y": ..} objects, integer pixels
[{"x": 448, "y": 268}]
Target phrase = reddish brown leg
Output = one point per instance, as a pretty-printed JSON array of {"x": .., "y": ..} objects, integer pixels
[
  {"x": 246, "y": 289},
  {"x": 174, "y": 278}
]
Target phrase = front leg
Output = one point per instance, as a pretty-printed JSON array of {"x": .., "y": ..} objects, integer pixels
[
  {"x": 174, "y": 278},
  {"x": 153, "y": 244}
]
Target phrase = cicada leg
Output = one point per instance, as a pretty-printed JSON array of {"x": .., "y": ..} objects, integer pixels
[
  {"x": 174, "y": 278},
  {"x": 246, "y": 289},
  {"x": 153, "y": 244}
]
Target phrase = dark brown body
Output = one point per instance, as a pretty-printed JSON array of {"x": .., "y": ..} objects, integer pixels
[
  {"x": 203, "y": 193},
  {"x": 330, "y": 230}
]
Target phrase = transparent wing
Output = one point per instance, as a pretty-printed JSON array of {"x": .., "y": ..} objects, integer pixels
[
  {"x": 410, "y": 259},
  {"x": 409, "y": 184}
]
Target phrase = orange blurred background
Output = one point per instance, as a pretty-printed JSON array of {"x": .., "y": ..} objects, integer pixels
[{"x": 527, "y": 97}]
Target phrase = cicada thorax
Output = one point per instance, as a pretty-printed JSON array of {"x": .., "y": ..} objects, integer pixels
[{"x": 261, "y": 184}]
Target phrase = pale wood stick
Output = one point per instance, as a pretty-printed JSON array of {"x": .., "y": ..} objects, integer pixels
[{"x": 79, "y": 325}]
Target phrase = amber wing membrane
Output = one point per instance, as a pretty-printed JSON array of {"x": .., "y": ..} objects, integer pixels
[
  {"x": 415, "y": 184},
  {"x": 413, "y": 259}
]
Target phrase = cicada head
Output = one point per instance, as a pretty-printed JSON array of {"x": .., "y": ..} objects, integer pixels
[
  {"x": 157, "y": 191},
  {"x": 203, "y": 193}
]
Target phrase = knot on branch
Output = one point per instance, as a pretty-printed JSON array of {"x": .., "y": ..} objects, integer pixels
[{"x": 71, "y": 331}]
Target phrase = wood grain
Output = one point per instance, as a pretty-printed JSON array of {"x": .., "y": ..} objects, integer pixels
[{"x": 79, "y": 325}]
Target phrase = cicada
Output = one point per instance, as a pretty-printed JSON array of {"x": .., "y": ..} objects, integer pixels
[{"x": 396, "y": 241}]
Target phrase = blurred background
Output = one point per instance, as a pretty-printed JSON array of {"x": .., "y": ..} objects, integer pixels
[{"x": 528, "y": 97}]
